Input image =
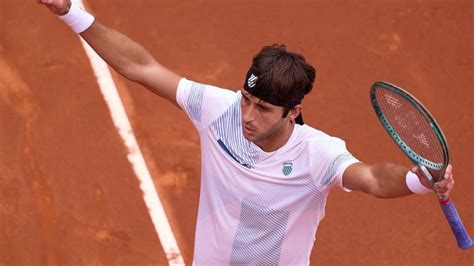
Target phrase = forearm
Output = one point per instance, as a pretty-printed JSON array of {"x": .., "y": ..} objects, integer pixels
[
  {"x": 382, "y": 180},
  {"x": 389, "y": 180},
  {"x": 126, "y": 56},
  {"x": 123, "y": 54}
]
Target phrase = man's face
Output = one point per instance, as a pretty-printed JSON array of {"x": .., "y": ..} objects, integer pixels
[{"x": 261, "y": 121}]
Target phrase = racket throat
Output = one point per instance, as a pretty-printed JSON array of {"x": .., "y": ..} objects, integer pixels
[{"x": 426, "y": 174}]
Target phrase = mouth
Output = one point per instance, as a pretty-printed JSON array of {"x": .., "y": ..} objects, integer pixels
[{"x": 249, "y": 129}]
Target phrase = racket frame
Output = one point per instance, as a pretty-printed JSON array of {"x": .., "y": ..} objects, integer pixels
[
  {"x": 464, "y": 241},
  {"x": 412, "y": 155}
]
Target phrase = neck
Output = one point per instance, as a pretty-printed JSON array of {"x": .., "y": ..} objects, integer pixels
[{"x": 277, "y": 139}]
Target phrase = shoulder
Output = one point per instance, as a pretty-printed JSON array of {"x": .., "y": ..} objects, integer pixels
[
  {"x": 324, "y": 149},
  {"x": 317, "y": 146},
  {"x": 188, "y": 85},
  {"x": 328, "y": 156},
  {"x": 202, "y": 102},
  {"x": 318, "y": 140},
  {"x": 190, "y": 92}
]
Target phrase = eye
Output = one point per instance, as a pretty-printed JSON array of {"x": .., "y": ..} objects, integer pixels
[{"x": 264, "y": 109}]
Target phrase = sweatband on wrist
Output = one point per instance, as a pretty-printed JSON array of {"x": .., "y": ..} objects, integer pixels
[
  {"x": 414, "y": 184},
  {"x": 77, "y": 18}
]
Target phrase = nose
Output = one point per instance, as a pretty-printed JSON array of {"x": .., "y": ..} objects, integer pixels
[{"x": 248, "y": 113}]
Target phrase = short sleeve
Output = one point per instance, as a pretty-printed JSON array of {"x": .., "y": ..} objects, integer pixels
[
  {"x": 330, "y": 159},
  {"x": 202, "y": 103}
]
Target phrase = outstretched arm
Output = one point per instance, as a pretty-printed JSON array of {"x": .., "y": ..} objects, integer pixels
[
  {"x": 131, "y": 60},
  {"x": 124, "y": 55},
  {"x": 387, "y": 180}
]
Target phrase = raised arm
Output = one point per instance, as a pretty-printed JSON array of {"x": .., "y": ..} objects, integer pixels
[
  {"x": 124, "y": 55},
  {"x": 387, "y": 180}
]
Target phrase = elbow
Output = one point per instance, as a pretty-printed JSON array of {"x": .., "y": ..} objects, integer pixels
[
  {"x": 380, "y": 195},
  {"x": 371, "y": 187},
  {"x": 130, "y": 72},
  {"x": 378, "y": 192},
  {"x": 125, "y": 70}
]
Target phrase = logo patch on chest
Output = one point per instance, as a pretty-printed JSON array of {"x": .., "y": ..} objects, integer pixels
[{"x": 287, "y": 168}]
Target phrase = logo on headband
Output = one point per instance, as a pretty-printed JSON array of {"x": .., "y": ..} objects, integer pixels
[{"x": 252, "y": 81}]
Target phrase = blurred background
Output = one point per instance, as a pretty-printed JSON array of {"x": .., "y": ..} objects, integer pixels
[{"x": 68, "y": 195}]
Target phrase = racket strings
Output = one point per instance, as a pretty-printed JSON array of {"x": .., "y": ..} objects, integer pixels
[{"x": 411, "y": 125}]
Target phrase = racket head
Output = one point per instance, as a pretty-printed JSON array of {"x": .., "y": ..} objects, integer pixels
[{"x": 411, "y": 126}]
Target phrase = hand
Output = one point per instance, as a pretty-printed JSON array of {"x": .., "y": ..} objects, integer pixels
[
  {"x": 58, "y": 7},
  {"x": 442, "y": 187}
]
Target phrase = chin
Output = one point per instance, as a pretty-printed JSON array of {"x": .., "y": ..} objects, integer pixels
[{"x": 249, "y": 137}]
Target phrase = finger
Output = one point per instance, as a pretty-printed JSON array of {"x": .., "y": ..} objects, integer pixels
[
  {"x": 445, "y": 183},
  {"x": 443, "y": 188},
  {"x": 448, "y": 181},
  {"x": 448, "y": 174},
  {"x": 449, "y": 168},
  {"x": 443, "y": 191},
  {"x": 45, "y": 2}
]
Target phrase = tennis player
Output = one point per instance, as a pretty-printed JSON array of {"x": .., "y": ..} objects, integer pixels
[{"x": 265, "y": 175}]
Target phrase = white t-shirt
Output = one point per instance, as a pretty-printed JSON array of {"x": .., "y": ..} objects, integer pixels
[{"x": 257, "y": 207}]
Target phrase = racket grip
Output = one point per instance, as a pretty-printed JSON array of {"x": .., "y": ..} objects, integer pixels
[{"x": 462, "y": 237}]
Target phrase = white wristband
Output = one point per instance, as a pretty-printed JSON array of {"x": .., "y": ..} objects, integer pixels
[
  {"x": 77, "y": 18},
  {"x": 414, "y": 184}
]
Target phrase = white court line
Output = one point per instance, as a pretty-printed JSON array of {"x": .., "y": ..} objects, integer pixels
[{"x": 135, "y": 157}]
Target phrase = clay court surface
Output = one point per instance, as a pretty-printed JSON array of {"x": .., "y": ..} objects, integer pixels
[{"x": 68, "y": 195}]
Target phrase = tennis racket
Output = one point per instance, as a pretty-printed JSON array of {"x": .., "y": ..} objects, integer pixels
[{"x": 419, "y": 136}]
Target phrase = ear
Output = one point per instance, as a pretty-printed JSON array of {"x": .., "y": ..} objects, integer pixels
[{"x": 294, "y": 113}]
